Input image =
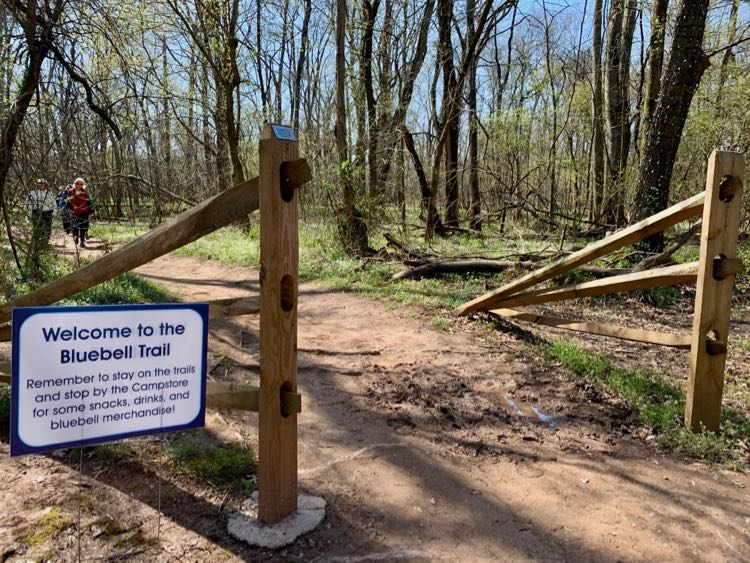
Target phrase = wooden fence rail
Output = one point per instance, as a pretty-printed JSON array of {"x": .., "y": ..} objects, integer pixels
[
  {"x": 219, "y": 211},
  {"x": 639, "y": 231},
  {"x": 713, "y": 273},
  {"x": 276, "y": 400}
]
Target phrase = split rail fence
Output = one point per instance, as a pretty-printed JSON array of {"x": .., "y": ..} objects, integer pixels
[
  {"x": 275, "y": 193},
  {"x": 713, "y": 273}
]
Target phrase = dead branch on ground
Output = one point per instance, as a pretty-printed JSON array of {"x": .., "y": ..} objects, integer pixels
[{"x": 433, "y": 269}]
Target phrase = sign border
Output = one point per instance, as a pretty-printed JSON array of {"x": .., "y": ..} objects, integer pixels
[{"x": 20, "y": 314}]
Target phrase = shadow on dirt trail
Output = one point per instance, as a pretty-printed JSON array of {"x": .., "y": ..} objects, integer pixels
[
  {"x": 410, "y": 435},
  {"x": 403, "y": 433}
]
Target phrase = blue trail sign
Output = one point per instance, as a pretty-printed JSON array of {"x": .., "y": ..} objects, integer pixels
[{"x": 87, "y": 375}]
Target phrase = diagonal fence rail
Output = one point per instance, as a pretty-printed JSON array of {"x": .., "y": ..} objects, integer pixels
[
  {"x": 275, "y": 193},
  {"x": 713, "y": 274}
]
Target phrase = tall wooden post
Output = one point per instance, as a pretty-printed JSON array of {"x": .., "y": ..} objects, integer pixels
[
  {"x": 277, "y": 452},
  {"x": 713, "y": 296}
]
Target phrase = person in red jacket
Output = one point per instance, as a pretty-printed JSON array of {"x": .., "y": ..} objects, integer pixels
[{"x": 81, "y": 207}]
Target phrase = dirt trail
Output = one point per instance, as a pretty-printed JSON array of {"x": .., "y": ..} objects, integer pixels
[{"x": 426, "y": 445}]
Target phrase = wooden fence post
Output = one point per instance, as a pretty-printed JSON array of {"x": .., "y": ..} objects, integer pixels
[
  {"x": 713, "y": 295},
  {"x": 277, "y": 430}
]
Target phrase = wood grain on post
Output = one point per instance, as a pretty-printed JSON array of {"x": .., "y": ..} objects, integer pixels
[
  {"x": 713, "y": 295},
  {"x": 238, "y": 397},
  {"x": 277, "y": 431}
]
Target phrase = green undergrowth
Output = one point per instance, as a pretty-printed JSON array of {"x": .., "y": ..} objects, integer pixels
[
  {"x": 322, "y": 260},
  {"x": 118, "y": 233},
  {"x": 124, "y": 289},
  {"x": 659, "y": 404},
  {"x": 227, "y": 465},
  {"x": 191, "y": 453},
  {"x": 4, "y": 404}
]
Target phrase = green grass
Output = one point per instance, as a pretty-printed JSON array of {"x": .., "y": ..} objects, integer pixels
[
  {"x": 323, "y": 260},
  {"x": 229, "y": 465},
  {"x": 127, "y": 288},
  {"x": 106, "y": 528},
  {"x": 232, "y": 245},
  {"x": 47, "y": 526},
  {"x": 658, "y": 403},
  {"x": 4, "y": 404},
  {"x": 746, "y": 345},
  {"x": 117, "y": 233}
]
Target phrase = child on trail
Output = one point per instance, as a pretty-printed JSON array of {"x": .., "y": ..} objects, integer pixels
[{"x": 81, "y": 207}]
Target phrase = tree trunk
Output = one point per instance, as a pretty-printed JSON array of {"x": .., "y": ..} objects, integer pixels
[
  {"x": 655, "y": 67},
  {"x": 424, "y": 188},
  {"x": 165, "y": 123},
  {"x": 353, "y": 229},
  {"x": 301, "y": 61},
  {"x": 210, "y": 164},
  {"x": 597, "y": 148},
  {"x": 475, "y": 202},
  {"x": 369, "y": 15},
  {"x": 449, "y": 112},
  {"x": 552, "y": 159},
  {"x": 728, "y": 54},
  {"x": 621, "y": 28},
  {"x": 687, "y": 63}
]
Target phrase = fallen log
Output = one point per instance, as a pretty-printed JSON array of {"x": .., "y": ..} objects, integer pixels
[
  {"x": 433, "y": 269},
  {"x": 665, "y": 258}
]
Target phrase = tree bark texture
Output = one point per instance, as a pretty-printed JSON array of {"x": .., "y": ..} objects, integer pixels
[{"x": 687, "y": 63}]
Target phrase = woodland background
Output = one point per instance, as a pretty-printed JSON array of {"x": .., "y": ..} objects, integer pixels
[{"x": 479, "y": 115}]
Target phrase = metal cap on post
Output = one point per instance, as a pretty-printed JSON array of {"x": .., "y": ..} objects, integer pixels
[{"x": 277, "y": 452}]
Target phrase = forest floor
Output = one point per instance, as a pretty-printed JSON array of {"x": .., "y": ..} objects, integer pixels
[{"x": 427, "y": 444}]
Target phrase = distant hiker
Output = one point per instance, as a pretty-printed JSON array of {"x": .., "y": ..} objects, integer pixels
[
  {"x": 41, "y": 204},
  {"x": 62, "y": 205},
  {"x": 81, "y": 207}
]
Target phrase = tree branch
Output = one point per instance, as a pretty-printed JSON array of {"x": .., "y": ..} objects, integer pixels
[
  {"x": 73, "y": 73},
  {"x": 727, "y": 47}
]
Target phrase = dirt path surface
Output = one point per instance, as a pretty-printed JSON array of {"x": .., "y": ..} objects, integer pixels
[{"x": 427, "y": 445}]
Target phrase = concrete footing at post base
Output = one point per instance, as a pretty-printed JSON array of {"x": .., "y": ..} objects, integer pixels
[{"x": 245, "y": 526}]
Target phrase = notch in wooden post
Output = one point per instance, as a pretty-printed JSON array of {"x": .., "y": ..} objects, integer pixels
[
  {"x": 713, "y": 295},
  {"x": 277, "y": 424},
  {"x": 724, "y": 267}
]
